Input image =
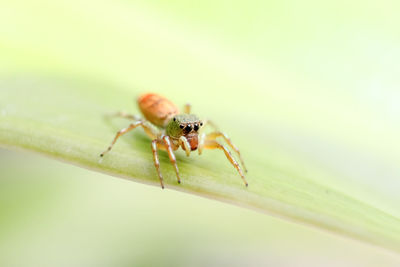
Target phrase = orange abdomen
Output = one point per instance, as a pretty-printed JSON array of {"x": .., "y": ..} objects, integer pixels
[{"x": 157, "y": 109}]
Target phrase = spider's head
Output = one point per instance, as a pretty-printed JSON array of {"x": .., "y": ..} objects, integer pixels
[{"x": 185, "y": 125}]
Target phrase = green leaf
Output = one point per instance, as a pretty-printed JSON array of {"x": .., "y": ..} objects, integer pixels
[
  {"x": 318, "y": 143},
  {"x": 65, "y": 119}
]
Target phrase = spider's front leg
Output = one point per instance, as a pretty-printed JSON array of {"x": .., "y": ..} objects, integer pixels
[
  {"x": 170, "y": 149},
  {"x": 150, "y": 130},
  {"x": 209, "y": 143},
  {"x": 164, "y": 143},
  {"x": 215, "y": 135}
]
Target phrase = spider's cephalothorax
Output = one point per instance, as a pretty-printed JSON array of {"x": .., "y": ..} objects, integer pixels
[
  {"x": 186, "y": 125},
  {"x": 170, "y": 130}
]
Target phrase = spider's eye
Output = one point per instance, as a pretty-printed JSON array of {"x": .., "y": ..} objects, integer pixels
[
  {"x": 181, "y": 126},
  {"x": 174, "y": 119},
  {"x": 201, "y": 123},
  {"x": 196, "y": 127},
  {"x": 188, "y": 128}
]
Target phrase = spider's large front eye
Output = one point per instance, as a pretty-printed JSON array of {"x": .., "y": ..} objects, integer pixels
[
  {"x": 181, "y": 126},
  {"x": 188, "y": 128},
  {"x": 196, "y": 127}
]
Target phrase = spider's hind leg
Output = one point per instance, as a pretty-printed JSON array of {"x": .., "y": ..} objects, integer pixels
[{"x": 124, "y": 115}]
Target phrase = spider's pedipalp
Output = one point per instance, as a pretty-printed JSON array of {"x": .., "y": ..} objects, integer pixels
[{"x": 183, "y": 142}]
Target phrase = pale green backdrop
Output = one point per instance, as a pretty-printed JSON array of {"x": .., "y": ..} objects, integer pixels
[{"x": 308, "y": 90}]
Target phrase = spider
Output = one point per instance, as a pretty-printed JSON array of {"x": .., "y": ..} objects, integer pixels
[{"x": 170, "y": 130}]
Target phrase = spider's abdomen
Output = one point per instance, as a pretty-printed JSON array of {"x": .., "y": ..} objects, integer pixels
[{"x": 157, "y": 109}]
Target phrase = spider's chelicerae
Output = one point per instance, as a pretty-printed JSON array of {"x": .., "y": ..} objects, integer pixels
[{"x": 170, "y": 130}]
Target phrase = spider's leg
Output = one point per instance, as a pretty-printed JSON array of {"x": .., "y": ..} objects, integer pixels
[
  {"x": 168, "y": 146},
  {"x": 212, "y": 144},
  {"x": 187, "y": 108},
  {"x": 124, "y": 115},
  {"x": 185, "y": 145},
  {"x": 214, "y": 135},
  {"x": 156, "y": 160},
  {"x": 150, "y": 130},
  {"x": 209, "y": 123}
]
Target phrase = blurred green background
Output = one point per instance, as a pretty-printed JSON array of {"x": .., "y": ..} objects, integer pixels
[{"x": 303, "y": 85}]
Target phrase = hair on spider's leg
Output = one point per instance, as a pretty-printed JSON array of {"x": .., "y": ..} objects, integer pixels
[
  {"x": 187, "y": 108},
  {"x": 151, "y": 132},
  {"x": 157, "y": 161},
  {"x": 214, "y": 135},
  {"x": 171, "y": 155},
  {"x": 185, "y": 144},
  {"x": 212, "y": 144}
]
